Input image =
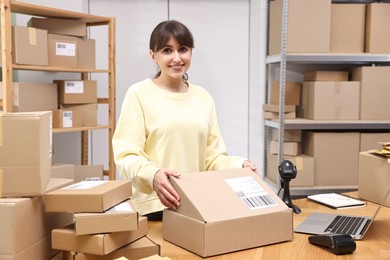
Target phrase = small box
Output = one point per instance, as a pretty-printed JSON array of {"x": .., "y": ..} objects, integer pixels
[
  {"x": 77, "y": 91},
  {"x": 63, "y": 170},
  {"x": 226, "y": 216},
  {"x": 275, "y": 108},
  {"x": 88, "y": 196},
  {"x": 374, "y": 178},
  {"x": 88, "y": 172},
  {"x": 273, "y": 115},
  {"x": 67, "y": 118},
  {"x": 29, "y": 96},
  {"x": 290, "y": 135},
  {"x": 348, "y": 23},
  {"x": 377, "y": 38},
  {"x": 29, "y": 46},
  {"x": 322, "y": 75},
  {"x": 327, "y": 100},
  {"x": 98, "y": 244},
  {"x": 370, "y": 141},
  {"x": 63, "y": 51},
  {"x": 121, "y": 217},
  {"x": 336, "y": 156},
  {"x": 139, "y": 249},
  {"x": 305, "y": 169},
  {"x": 87, "y": 54},
  {"x": 289, "y": 148},
  {"x": 292, "y": 93},
  {"x": 89, "y": 112},
  {"x": 70, "y": 27}
]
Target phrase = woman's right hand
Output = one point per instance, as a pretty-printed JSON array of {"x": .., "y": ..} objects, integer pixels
[{"x": 165, "y": 192}]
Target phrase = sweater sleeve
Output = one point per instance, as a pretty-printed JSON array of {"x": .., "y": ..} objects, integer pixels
[{"x": 129, "y": 142}]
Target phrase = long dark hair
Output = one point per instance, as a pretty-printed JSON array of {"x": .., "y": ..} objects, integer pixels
[{"x": 164, "y": 31}]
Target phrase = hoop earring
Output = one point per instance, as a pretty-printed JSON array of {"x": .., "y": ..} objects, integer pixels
[{"x": 185, "y": 77}]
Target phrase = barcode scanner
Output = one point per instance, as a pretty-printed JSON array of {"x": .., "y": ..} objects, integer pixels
[{"x": 288, "y": 171}]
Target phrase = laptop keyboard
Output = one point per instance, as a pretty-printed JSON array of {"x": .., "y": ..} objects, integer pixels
[{"x": 344, "y": 225}]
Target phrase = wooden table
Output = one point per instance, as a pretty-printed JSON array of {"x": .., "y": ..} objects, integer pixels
[{"x": 375, "y": 244}]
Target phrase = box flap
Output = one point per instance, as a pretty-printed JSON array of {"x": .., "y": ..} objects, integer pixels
[{"x": 223, "y": 195}]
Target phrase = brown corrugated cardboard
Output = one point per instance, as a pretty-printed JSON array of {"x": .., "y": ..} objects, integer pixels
[
  {"x": 87, "y": 54},
  {"x": 121, "y": 217},
  {"x": 89, "y": 112},
  {"x": 273, "y": 115},
  {"x": 322, "y": 75},
  {"x": 62, "y": 51},
  {"x": 275, "y": 108},
  {"x": 369, "y": 141},
  {"x": 292, "y": 93},
  {"x": 374, "y": 177},
  {"x": 63, "y": 170},
  {"x": 139, "y": 249},
  {"x": 18, "y": 235},
  {"x": 99, "y": 244},
  {"x": 60, "y": 26},
  {"x": 377, "y": 38},
  {"x": 330, "y": 100},
  {"x": 77, "y": 91},
  {"x": 29, "y": 46},
  {"x": 347, "y": 28},
  {"x": 308, "y": 26},
  {"x": 67, "y": 118},
  {"x": 290, "y": 135},
  {"x": 28, "y": 96},
  {"x": 336, "y": 156},
  {"x": 289, "y": 148},
  {"x": 374, "y": 91},
  {"x": 220, "y": 218},
  {"x": 88, "y": 172},
  {"x": 305, "y": 169},
  {"x": 25, "y": 153},
  {"x": 88, "y": 196}
]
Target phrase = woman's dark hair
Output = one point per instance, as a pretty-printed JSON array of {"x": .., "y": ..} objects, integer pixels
[{"x": 167, "y": 29}]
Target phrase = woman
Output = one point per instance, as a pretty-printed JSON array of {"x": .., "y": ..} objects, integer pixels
[{"x": 168, "y": 126}]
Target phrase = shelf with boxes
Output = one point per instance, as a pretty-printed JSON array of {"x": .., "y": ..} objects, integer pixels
[
  {"x": 56, "y": 40},
  {"x": 325, "y": 90}
]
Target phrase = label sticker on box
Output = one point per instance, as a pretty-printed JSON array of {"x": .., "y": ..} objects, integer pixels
[
  {"x": 67, "y": 119},
  {"x": 74, "y": 87},
  {"x": 84, "y": 185},
  {"x": 65, "y": 49},
  {"x": 251, "y": 193},
  {"x": 123, "y": 207}
]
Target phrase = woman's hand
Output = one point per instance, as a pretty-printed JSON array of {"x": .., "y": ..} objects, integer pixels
[
  {"x": 165, "y": 192},
  {"x": 250, "y": 165}
]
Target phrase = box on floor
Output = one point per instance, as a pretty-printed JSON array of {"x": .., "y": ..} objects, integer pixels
[{"x": 226, "y": 216}]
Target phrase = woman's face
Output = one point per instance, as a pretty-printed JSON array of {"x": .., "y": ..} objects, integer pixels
[{"x": 173, "y": 59}]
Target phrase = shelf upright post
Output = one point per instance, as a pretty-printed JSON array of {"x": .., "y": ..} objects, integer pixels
[{"x": 111, "y": 94}]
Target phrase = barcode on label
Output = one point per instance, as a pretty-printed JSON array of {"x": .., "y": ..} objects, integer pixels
[
  {"x": 69, "y": 84},
  {"x": 68, "y": 115},
  {"x": 258, "y": 201},
  {"x": 62, "y": 46}
]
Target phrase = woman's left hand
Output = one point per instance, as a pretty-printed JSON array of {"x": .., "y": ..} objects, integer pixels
[{"x": 250, "y": 165}]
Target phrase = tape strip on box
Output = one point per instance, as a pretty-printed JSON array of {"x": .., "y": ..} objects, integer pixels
[{"x": 32, "y": 36}]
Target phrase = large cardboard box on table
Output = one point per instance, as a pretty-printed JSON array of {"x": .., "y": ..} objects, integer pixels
[
  {"x": 88, "y": 196},
  {"x": 374, "y": 177},
  {"x": 330, "y": 100},
  {"x": 228, "y": 213},
  {"x": 377, "y": 34},
  {"x": 28, "y": 96},
  {"x": 25, "y": 153},
  {"x": 308, "y": 25},
  {"x": 70, "y": 27},
  {"x": 98, "y": 244},
  {"x": 77, "y": 91}
]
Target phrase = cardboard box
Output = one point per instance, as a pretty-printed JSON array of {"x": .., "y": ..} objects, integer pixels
[
  {"x": 19, "y": 236},
  {"x": 143, "y": 247},
  {"x": 369, "y": 141},
  {"x": 377, "y": 38},
  {"x": 98, "y": 244},
  {"x": 292, "y": 93},
  {"x": 348, "y": 23},
  {"x": 89, "y": 112},
  {"x": 219, "y": 218},
  {"x": 338, "y": 100},
  {"x": 63, "y": 51},
  {"x": 374, "y": 90},
  {"x": 88, "y": 196},
  {"x": 70, "y": 27},
  {"x": 289, "y": 148},
  {"x": 29, "y": 96},
  {"x": 77, "y": 91},
  {"x": 273, "y": 115},
  {"x": 336, "y": 156},
  {"x": 290, "y": 135},
  {"x": 323, "y": 75},
  {"x": 121, "y": 217},
  {"x": 29, "y": 46},
  {"x": 275, "y": 108},
  {"x": 67, "y": 118},
  {"x": 88, "y": 172},
  {"x": 63, "y": 170},
  {"x": 87, "y": 54},
  {"x": 25, "y": 153},
  {"x": 305, "y": 169},
  {"x": 308, "y": 29},
  {"x": 374, "y": 178}
]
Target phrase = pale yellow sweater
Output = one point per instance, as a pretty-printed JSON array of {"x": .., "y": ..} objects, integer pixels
[{"x": 161, "y": 129}]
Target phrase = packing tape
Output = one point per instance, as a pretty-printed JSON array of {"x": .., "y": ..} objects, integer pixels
[
  {"x": 1, "y": 183},
  {"x": 299, "y": 163},
  {"x": 32, "y": 36}
]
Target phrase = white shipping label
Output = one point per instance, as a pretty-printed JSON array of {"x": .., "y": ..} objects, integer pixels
[
  {"x": 84, "y": 185},
  {"x": 74, "y": 87},
  {"x": 67, "y": 119},
  {"x": 65, "y": 49},
  {"x": 123, "y": 207},
  {"x": 251, "y": 193}
]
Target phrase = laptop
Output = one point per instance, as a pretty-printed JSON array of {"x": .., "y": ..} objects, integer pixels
[{"x": 324, "y": 223}]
